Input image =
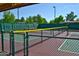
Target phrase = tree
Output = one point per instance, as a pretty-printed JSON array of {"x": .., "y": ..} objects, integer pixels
[
  {"x": 44, "y": 21},
  {"x": 22, "y": 19},
  {"x": 77, "y": 19},
  {"x": 39, "y": 20},
  {"x": 61, "y": 19},
  {"x": 17, "y": 20},
  {"x": 1, "y": 20},
  {"x": 36, "y": 19},
  {"x": 51, "y": 22},
  {"x": 57, "y": 20},
  {"x": 71, "y": 16},
  {"x": 8, "y": 17},
  {"x": 29, "y": 19}
]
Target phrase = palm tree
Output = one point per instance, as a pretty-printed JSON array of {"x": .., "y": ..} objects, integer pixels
[{"x": 71, "y": 16}]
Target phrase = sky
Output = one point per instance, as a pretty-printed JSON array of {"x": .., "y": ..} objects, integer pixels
[{"x": 46, "y": 10}]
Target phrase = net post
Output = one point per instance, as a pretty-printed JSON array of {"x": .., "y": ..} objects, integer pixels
[
  {"x": 50, "y": 32},
  {"x": 41, "y": 36},
  {"x": 53, "y": 33},
  {"x": 67, "y": 31}
]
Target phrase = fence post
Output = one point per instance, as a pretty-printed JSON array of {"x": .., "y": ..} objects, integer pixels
[
  {"x": 12, "y": 43},
  {"x": 26, "y": 44},
  {"x": 2, "y": 38},
  {"x": 2, "y": 41}
]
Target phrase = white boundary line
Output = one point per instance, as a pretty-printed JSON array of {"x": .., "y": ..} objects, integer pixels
[
  {"x": 62, "y": 44},
  {"x": 69, "y": 51},
  {"x": 66, "y": 50}
]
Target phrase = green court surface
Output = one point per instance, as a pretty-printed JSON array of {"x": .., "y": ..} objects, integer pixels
[{"x": 71, "y": 46}]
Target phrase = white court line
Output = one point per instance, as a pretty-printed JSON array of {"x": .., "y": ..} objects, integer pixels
[
  {"x": 69, "y": 51},
  {"x": 66, "y": 50},
  {"x": 62, "y": 44}
]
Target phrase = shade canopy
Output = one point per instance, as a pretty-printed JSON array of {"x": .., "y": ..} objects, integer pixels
[{"x": 8, "y": 6}]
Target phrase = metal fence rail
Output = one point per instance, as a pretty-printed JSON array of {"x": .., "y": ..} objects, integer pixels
[{"x": 10, "y": 28}]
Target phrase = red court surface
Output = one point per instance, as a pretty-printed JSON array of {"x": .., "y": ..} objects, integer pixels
[{"x": 46, "y": 48}]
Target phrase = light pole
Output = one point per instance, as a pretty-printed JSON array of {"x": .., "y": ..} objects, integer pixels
[
  {"x": 18, "y": 13},
  {"x": 54, "y": 18},
  {"x": 54, "y": 12}
]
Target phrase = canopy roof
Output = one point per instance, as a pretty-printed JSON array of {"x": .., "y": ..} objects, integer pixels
[{"x": 8, "y": 6}]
